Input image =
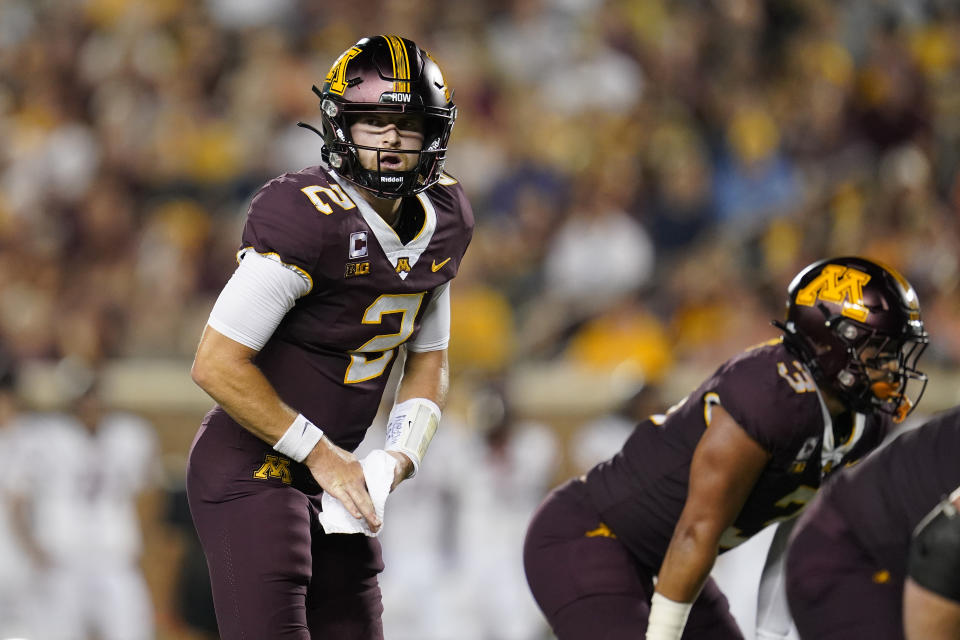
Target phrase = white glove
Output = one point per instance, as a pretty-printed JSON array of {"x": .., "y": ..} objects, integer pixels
[{"x": 378, "y": 469}]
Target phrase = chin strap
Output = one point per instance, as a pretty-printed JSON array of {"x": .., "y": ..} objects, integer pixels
[{"x": 306, "y": 125}]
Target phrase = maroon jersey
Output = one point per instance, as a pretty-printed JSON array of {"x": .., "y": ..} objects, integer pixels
[
  {"x": 884, "y": 498},
  {"x": 331, "y": 355},
  {"x": 641, "y": 491}
]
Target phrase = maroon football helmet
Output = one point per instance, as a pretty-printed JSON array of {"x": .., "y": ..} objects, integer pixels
[
  {"x": 848, "y": 314},
  {"x": 385, "y": 75}
]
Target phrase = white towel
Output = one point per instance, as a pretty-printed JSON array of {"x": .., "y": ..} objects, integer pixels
[{"x": 378, "y": 467}]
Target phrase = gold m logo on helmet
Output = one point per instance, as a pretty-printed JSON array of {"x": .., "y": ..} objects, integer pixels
[
  {"x": 337, "y": 76},
  {"x": 274, "y": 467},
  {"x": 840, "y": 285}
]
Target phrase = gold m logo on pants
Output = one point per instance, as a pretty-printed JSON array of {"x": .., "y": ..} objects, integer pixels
[{"x": 274, "y": 467}]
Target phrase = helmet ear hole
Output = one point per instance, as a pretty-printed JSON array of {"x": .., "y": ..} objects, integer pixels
[
  {"x": 848, "y": 331},
  {"x": 846, "y": 378},
  {"x": 330, "y": 108}
]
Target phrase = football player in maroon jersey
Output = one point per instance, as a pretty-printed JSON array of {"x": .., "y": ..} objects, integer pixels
[
  {"x": 746, "y": 449},
  {"x": 342, "y": 267},
  {"x": 849, "y": 553}
]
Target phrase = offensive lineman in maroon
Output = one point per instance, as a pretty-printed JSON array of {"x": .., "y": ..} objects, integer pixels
[
  {"x": 341, "y": 266},
  {"x": 848, "y": 555},
  {"x": 747, "y": 448}
]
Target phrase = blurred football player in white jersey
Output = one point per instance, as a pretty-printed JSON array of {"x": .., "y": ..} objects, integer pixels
[
  {"x": 512, "y": 461},
  {"x": 15, "y": 566},
  {"x": 453, "y": 546},
  {"x": 76, "y": 481}
]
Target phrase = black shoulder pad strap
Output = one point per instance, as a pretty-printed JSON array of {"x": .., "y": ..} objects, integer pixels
[{"x": 935, "y": 552}]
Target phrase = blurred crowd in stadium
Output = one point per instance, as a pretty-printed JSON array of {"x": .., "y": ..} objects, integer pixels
[{"x": 646, "y": 176}]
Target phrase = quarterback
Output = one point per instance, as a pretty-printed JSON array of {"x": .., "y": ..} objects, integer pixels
[
  {"x": 343, "y": 267},
  {"x": 749, "y": 447}
]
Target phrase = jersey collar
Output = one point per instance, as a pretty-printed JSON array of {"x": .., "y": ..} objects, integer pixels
[{"x": 385, "y": 234}]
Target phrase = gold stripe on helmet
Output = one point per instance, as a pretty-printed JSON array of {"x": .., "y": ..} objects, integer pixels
[{"x": 401, "y": 63}]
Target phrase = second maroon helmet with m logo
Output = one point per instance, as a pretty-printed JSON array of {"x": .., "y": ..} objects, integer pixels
[{"x": 850, "y": 314}]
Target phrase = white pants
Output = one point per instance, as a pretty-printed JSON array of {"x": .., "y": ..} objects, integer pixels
[
  {"x": 774, "y": 621},
  {"x": 752, "y": 578},
  {"x": 111, "y": 602},
  {"x": 15, "y": 611}
]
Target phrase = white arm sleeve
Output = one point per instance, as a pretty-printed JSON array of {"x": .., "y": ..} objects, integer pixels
[
  {"x": 255, "y": 299},
  {"x": 435, "y": 329}
]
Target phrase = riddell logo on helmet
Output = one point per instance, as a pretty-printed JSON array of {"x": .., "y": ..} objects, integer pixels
[{"x": 840, "y": 285}]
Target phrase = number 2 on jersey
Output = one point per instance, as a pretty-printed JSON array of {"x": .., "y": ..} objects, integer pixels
[
  {"x": 334, "y": 193},
  {"x": 362, "y": 367}
]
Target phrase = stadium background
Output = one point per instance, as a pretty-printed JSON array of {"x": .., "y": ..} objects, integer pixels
[{"x": 646, "y": 178}]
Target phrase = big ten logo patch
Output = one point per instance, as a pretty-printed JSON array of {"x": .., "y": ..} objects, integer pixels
[
  {"x": 275, "y": 467},
  {"x": 356, "y": 269}
]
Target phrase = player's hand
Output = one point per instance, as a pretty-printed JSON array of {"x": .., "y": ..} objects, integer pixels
[
  {"x": 402, "y": 470},
  {"x": 338, "y": 472}
]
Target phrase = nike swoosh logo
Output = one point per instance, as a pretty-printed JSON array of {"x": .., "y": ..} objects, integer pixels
[{"x": 436, "y": 267}]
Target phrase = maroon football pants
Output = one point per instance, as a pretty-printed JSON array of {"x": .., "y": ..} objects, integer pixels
[
  {"x": 274, "y": 572},
  {"x": 589, "y": 586}
]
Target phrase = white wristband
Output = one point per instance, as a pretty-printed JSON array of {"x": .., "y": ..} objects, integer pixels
[
  {"x": 410, "y": 428},
  {"x": 667, "y": 618},
  {"x": 299, "y": 439}
]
